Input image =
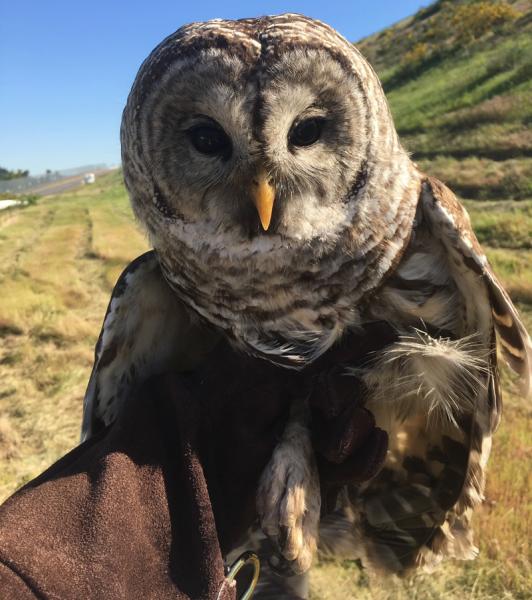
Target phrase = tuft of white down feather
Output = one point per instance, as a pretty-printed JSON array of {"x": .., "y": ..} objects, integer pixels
[{"x": 438, "y": 377}]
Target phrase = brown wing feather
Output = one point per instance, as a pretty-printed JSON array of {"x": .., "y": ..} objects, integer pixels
[
  {"x": 450, "y": 221},
  {"x": 146, "y": 330}
]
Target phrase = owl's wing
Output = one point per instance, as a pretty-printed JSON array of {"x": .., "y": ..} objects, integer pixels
[
  {"x": 450, "y": 222},
  {"x": 146, "y": 331},
  {"x": 418, "y": 508}
]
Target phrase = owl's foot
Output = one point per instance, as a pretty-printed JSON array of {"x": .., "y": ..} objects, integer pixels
[{"x": 289, "y": 501}]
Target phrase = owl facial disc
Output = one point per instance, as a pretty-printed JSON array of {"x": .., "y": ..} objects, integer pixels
[{"x": 261, "y": 157}]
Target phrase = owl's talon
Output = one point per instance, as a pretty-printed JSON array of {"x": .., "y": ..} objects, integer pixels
[
  {"x": 280, "y": 566},
  {"x": 288, "y": 502}
]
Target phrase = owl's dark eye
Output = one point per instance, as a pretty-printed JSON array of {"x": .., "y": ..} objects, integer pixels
[
  {"x": 210, "y": 140},
  {"x": 306, "y": 132}
]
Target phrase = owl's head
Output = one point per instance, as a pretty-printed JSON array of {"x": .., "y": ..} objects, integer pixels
[
  {"x": 252, "y": 128},
  {"x": 261, "y": 156}
]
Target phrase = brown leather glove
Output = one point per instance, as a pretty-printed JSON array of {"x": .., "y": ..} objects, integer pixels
[{"x": 245, "y": 405}]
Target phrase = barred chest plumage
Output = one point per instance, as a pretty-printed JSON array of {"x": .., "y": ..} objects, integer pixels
[{"x": 284, "y": 300}]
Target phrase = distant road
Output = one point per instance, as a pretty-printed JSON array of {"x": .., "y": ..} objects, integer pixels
[{"x": 62, "y": 185}]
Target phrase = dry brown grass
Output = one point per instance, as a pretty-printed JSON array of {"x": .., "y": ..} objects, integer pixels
[
  {"x": 483, "y": 178},
  {"x": 505, "y": 107},
  {"x": 58, "y": 262},
  {"x": 55, "y": 278},
  {"x": 9, "y": 440}
]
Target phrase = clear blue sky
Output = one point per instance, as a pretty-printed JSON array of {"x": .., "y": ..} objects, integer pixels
[{"x": 66, "y": 67}]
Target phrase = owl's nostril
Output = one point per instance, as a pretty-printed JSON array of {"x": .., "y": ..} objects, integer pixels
[{"x": 267, "y": 180}]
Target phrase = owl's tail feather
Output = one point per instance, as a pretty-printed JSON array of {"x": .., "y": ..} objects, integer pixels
[{"x": 410, "y": 532}]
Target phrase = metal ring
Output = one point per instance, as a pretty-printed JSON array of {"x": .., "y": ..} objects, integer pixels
[{"x": 245, "y": 559}]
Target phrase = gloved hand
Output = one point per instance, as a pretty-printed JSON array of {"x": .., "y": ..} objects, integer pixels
[{"x": 244, "y": 405}]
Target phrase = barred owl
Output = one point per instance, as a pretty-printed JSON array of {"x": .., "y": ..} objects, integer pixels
[{"x": 261, "y": 158}]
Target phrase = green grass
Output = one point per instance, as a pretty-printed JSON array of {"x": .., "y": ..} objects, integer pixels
[{"x": 463, "y": 108}]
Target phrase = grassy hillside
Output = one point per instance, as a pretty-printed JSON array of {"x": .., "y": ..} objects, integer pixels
[{"x": 458, "y": 76}]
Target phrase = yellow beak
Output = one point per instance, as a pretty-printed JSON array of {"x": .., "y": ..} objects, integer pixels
[{"x": 263, "y": 196}]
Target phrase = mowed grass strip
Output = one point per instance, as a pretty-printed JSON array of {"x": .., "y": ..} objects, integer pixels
[
  {"x": 58, "y": 262},
  {"x": 55, "y": 280}
]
